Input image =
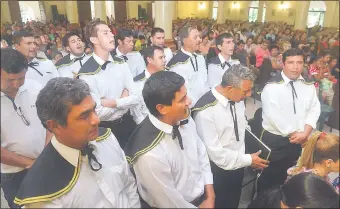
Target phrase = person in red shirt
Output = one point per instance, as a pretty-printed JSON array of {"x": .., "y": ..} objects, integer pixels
[{"x": 262, "y": 52}]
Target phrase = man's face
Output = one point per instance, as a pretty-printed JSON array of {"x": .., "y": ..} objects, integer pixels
[
  {"x": 75, "y": 46},
  {"x": 105, "y": 39},
  {"x": 193, "y": 40},
  {"x": 327, "y": 58},
  {"x": 10, "y": 83},
  {"x": 227, "y": 46},
  {"x": 179, "y": 109},
  {"x": 27, "y": 47},
  {"x": 127, "y": 44},
  {"x": 292, "y": 67},
  {"x": 240, "y": 46},
  {"x": 264, "y": 46},
  {"x": 239, "y": 94},
  {"x": 158, "y": 61},
  {"x": 158, "y": 39},
  {"x": 249, "y": 41},
  {"x": 82, "y": 123},
  {"x": 274, "y": 52}
]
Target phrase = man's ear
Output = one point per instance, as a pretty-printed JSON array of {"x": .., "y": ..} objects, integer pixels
[
  {"x": 120, "y": 42},
  {"x": 219, "y": 47},
  {"x": 162, "y": 109},
  {"x": 68, "y": 49},
  {"x": 53, "y": 127},
  {"x": 94, "y": 40}
]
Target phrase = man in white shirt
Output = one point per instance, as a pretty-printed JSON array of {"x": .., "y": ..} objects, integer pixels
[
  {"x": 83, "y": 166},
  {"x": 168, "y": 157},
  {"x": 221, "y": 63},
  {"x": 155, "y": 61},
  {"x": 290, "y": 111},
  {"x": 41, "y": 70},
  {"x": 70, "y": 65},
  {"x": 189, "y": 65},
  {"x": 124, "y": 43},
  {"x": 22, "y": 135},
  {"x": 111, "y": 85},
  {"x": 157, "y": 39},
  {"x": 220, "y": 121}
]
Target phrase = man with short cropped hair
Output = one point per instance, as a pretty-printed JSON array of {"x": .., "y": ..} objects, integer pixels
[{"x": 157, "y": 39}]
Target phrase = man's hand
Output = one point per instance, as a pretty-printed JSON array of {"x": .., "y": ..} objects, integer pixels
[
  {"x": 207, "y": 203},
  {"x": 298, "y": 138},
  {"x": 125, "y": 93},
  {"x": 257, "y": 162},
  {"x": 111, "y": 103},
  {"x": 30, "y": 163}
]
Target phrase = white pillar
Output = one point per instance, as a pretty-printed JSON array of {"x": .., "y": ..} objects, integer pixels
[
  {"x": 301, "y": 15},
  {"x": 100, "y": 10},
  {"x": 331, "y": 8},
  {"x": 260, "y": 12},
  {"x": 163, "y": 16},
  {"x": 72, "y": 11},
  {"x": 220, "y": 13}
]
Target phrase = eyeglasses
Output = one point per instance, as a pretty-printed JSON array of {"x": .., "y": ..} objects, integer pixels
[{"x": 23, "y": 118}]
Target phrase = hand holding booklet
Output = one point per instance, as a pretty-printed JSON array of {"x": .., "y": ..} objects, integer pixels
[{"x": 254, "y": 144}]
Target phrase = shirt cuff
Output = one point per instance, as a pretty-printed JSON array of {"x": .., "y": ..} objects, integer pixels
[
  {"x": 246, "y": 160},
  {"x": 208, "y": 178}
]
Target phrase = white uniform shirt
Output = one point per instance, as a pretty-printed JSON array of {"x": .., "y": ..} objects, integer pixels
[
  {"x": 215, "y": 70},
  {"x": 110, "y": 83},
  {"x": 277, "y": 107},
  {"x": 168, "y": 54},
  {"x": 46, "y": 69},
  {"x": 16, "y": 136},
  {"x": 135, "y": 61},
  {"x": 168, "y": 177},
  {"x": 113, "y": 186},
  {"x": 195, "y": 82},
  {"x": 71, "y": 69},
  {"x": 215, "y": 126}
]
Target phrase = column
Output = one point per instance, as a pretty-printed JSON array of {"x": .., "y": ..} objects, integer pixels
[
  {"x": 175, "y": 13},
  {"x": 220, "y": 13},
  {"x": 72, "y": 11},
  {"x": 163, "y": 16},
  {"x": 331, "y": 7},
  {"x": 260, "y": 12},
  {"x": 301, "y": 15},
  {"x": 100, "y": 10},
  {"x": 5, "y": 13}
]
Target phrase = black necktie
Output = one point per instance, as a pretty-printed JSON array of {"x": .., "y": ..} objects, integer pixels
[
  {"x": 176, "y": 133},
  {"x": 125, "y": 58},
  {"x": 79, "y": 59},
  {"x": 33, "y": 65},
  {"x": 104, "y": 65},
  {"x": 224, "y": 64},
  {"x": 233, "y": 114},
  {"x": 87, "y": 150},
  {"x": 192, "y": 62},
  {"x": 293, "y": 94}
]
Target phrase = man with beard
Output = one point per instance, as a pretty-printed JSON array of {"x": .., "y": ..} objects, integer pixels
[
  {"x": 41, "y": 70},
  {"x": 222, "y": 62},
  {"x": 70, "y": 65},
  {"x": 111, "y": 85},
  {"x": 189, "y": 65},
  {"x": 169, "y": 159},
  {"x": 157, "y": 39}
]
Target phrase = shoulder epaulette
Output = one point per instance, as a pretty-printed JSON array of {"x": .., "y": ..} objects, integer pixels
[
  {"x": 41, "y": 59},
  {"x": 207, "y": 100},
  {"x": 90, "y": 67},
  {"x": 179, "y": 58},
  {"x": 143, "y": 139},
  {"x": 117, "y": 59},
  {"x": 277, "y": 79},
  {"x": 215, "y": 60},
  {"x": 104, "y": 133},
  {"x": 139, "y": 77},
  {"x": 64, "y": 61}
]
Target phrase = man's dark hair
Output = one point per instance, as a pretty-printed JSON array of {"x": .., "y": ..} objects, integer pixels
[
  {"x": 239, "y": 43},
  {"x": 161, "y": 88},
  {"x": 13, "y": 61},
  {"x": 274, "y": 46},
  {"x": 91, "y": 30},
  {"x": 141, "y": 37},
  {"x": 219, "y": 40},
  {"x": 150, "y": 52},
  {"x": 122, "y": 34},
  {"x": 291, "y": 53},
  {"x": 55, "y": 100},
  {"x": 67, "y": 36},
  {"x": 17, "y": 37},
  {"x": 156, "y": 30}
]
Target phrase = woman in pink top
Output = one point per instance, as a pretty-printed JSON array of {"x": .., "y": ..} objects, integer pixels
[{"x": 261, "y": 53}]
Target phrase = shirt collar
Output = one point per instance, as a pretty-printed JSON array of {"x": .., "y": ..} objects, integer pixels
[
  {"x": 220, "y": 98},
  {"x": 68, "y": 153},
  {"x": 287, "y": 80},
  {"x": 187, "y": 53},
  {"x": 73, "y": 57},
  {"x": 222, "y": 58},
  {"x": 147, "y": 74},
  {"x": 99, "y": 60},
  {"x": 119, "y": 53},
  {"x": 160, "y": 125}
]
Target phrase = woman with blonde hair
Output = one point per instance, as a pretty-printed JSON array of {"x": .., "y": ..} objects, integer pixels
[{"x": 320, "y": 156}]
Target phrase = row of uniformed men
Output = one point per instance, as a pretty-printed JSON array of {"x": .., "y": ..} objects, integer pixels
[{"x": 168, "y": 173}]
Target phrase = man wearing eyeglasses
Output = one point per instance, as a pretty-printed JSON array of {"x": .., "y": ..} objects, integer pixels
[
  {"x": 220, "y": 122},
  {"x": 22, "y": 135}
]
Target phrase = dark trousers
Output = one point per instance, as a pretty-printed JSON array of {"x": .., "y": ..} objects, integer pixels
[
  {"x": 227, "y": 186},
  {"x": 122, "y": 128},
  {"x": 283, "y": 156},
  {"x": 10, "y": 184},
  {"x": 196, "y": 202}
]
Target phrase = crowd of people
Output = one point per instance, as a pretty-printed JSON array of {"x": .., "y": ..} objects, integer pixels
[{"x": 106, "y": 115}]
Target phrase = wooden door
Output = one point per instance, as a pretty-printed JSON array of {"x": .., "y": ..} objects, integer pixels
[{"x": 120, "y": 11}]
